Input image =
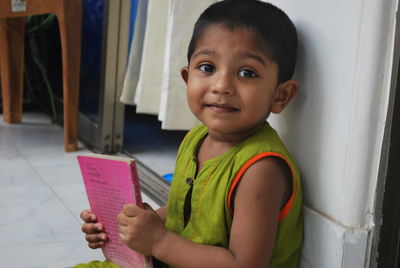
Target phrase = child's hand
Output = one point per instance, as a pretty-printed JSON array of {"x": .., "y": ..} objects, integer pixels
[
  {"x": 94, "y": 231},
  {"x": 140, "y": 229}
]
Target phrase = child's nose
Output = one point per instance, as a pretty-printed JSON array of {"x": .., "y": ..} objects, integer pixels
[{"x": 223, "y": 84}]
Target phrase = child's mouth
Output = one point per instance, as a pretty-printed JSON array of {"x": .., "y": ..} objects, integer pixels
[{"x": 221, "y": 107}]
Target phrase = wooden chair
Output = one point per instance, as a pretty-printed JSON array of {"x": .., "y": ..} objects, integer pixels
[{"x": 69, "y": 14}]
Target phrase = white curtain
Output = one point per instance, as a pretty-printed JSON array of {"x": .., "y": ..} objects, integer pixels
[
  {"x": 135, "y": 55},
  {"x": 148, "y": 90},
  {"x": 160, "y": 89}
]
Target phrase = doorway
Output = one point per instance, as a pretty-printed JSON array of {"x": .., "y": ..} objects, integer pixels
[
  {"x": 105, "y": 124},
  {"x": 389, "y": 242},
  {"x": 386, "y": 238},
  {"x": 104, "y": 52}
]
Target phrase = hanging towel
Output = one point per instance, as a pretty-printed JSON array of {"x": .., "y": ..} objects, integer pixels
[
  {"x": 135, "y": 55},
  {"x": 174, "y": 111},
  {"x": 148, "y": 90}
]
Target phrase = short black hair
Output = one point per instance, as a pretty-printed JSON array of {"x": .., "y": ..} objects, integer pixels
[{"x": 269, "y": 24}]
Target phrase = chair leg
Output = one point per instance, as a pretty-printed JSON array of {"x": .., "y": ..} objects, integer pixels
[
  {"x": 69, "y": 19},
  {"x": 12, "y": 67}
]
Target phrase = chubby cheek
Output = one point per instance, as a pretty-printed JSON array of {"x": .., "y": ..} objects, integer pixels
[
  {"x": 195, "y": 91},
  {"x": 258, "y": 108},
  {"x": 194, "y": 100}
]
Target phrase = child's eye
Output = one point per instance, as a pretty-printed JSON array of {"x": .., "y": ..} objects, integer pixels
[
  {"x": 247, "y": 73},
  {"x": 207, "y": 68}
]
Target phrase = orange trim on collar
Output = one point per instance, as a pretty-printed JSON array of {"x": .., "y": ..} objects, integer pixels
[{"x": 285, "y": 210}]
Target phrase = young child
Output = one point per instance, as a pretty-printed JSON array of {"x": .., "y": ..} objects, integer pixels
[{"x": 235, "y": 200}]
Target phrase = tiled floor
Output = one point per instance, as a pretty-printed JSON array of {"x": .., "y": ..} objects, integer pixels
[{"x": 41, "y": 196}]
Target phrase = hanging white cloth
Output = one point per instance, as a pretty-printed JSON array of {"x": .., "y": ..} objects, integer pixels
[
  {"x": 148, "y": 90},
  {"x": 135, "y": 55},
  {"x": 174, "y": 111},
  {"x": 158, "y": 88}
]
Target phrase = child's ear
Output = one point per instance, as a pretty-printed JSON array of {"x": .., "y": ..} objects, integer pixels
[
  {"x": 284, "y": 93},
  {"x": 185, "y": 74}
]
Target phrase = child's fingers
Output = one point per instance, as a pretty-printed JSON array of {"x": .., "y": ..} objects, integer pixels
[
  {"x": 88, "y": 216},
  {"x": 122, "y": 219},
  {"x": 92, "y": 228},
  {"x": 131, "y": 210},
  {"x": 96, "y": 245},
  {"x": 96, "y": 238},
  {"x": 122, "y": 229}
]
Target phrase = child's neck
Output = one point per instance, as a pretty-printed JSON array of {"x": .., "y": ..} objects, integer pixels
[
  {"x": 210, "y": 149},
  {"x": 231, "y": 139},
  {"x": 216, "y": 144}
]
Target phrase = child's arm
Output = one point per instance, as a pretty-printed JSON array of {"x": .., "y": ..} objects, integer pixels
[
  {"x": 162, "y": 213},
  {"x": 258, "y": 200}
]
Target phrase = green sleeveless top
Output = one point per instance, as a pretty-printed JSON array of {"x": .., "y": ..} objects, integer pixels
[{"x": 211, "y": 191}]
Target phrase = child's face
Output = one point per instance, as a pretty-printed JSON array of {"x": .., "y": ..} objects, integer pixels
[{"x": 231, "y": 83}]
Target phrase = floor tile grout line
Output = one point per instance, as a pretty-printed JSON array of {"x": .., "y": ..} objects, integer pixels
[
  {"x": 27, "y": 162},
  {"x": 47, "y": 184},
  {"x": 56, "y": 194},
  {"x": 42, "y": 243}
]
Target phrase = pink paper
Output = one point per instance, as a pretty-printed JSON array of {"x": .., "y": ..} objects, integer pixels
[{"x": 109, "y": 185}]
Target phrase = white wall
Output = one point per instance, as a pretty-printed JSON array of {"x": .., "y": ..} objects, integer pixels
[{"x": 334, "y": 127}]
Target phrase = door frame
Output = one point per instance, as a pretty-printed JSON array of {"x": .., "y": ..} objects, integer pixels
[
  {"x": 106, "y": 136},
  {"x": 385, "y": 251}
]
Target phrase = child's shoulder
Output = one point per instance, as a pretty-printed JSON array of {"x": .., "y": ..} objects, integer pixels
[
  {"x": 264, "y": 139},
  {"x": 197, "y": 130},
  {"x": 195, "y": 134},
  {"x": 264, "y": 144},
  {"x": 193, "y": 138}
]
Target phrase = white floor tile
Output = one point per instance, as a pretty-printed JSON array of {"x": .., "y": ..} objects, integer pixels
[
  {"x": 53, "y": 155},
  {"x": 49, "y": 255},
  {"x": 34, "y": 139},
  {"x": 61, "y": 174},
  {"x": 41, "y": 197},
  {"x": 33, "y": 214},
  {"x": 73, "y": 197},
  {"x": 6, "y": 150},
  {"x": 15, "y": 170}
]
